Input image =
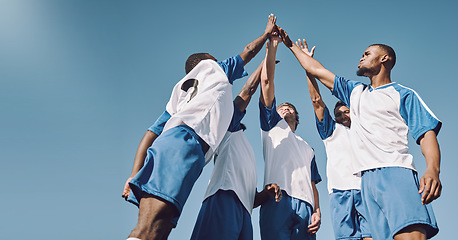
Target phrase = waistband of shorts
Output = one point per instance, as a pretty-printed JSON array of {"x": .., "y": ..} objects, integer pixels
[{"x": 191, "y": 131}]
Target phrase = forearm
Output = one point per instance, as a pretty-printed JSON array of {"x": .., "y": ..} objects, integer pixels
[
  {"x": 250, "y": 87},
  {"x": 140, "y": 156},
  {"x": 253, "y": 48},
  {"x": 316, "y": 197},
  {"x": 313, "y": 67},
  {"x": 268, "y": 75},
  {"x": 430, "y": 149},
  {"x": 315, "y": 96}
]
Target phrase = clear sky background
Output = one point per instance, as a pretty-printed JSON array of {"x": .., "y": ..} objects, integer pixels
[{"x": 81, "y": 81}]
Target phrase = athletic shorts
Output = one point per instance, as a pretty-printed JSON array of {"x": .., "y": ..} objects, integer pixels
[
  {"x": 223, "y": 217},
  {"x": 285, "y": 220},
  {"x": 348, "y": 215},
  {"x": 392, "y": 202},
  {"x": 173, "y": 163}
]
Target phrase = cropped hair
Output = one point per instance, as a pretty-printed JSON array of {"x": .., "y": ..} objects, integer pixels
[
  {"x": 390, "y": 51},
  {"x": 339, "y": 104},
  {"x": 194, "y": 59}
]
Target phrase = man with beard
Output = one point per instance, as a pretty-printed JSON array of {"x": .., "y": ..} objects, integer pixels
[{"x": 382, "y": 113}]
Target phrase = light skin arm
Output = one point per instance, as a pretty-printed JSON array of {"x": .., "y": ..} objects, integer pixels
[
  {"x": 309, "y": 64},
  {"x": 430, "y": 184},
  {"x": 252, "y": 49},
  {"x": 316, "y": 216},
  {"x": 271, "y": 190},
  {"x": 139, "y": 160},
  {"x": 317, "y": 101},
  {"x": 244, "y": 97},
  {"x": 267, "y": 76}
]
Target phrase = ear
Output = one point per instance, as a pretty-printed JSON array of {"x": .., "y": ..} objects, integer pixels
[{"x": 384, "y": 58}]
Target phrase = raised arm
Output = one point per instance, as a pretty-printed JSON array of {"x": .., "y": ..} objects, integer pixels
[
  {"x": 317, "y": 101},
  {"x": 310, "y": 65},
  {"x": 268, "y": 71},
  {"x": 430, "y": 184},
  {"x": 254, "y": 47},
  {"x": 244, "y": 97},
  {"x": 139, "y": 160}
]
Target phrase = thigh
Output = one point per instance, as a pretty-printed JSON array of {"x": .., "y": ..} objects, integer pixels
[
  {"x": 302, "y": 219},
  {"x": 344, "y": 216},
  {"x": 276, "y": 218}
]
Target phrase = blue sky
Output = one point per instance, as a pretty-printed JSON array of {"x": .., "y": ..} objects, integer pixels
[{"x": 81, "y": 81}]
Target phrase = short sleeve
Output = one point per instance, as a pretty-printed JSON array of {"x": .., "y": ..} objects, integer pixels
[
  {"x": 237, "y": 117},
  {"x": 158, "y": 126},
  {"x": 234, "y": 68},
  {"x": 418, "y": 117},
  {"x": 269, "y": 117},
  {"x": 326, "y": 127},
  {"x": 315, "y": 176},
  {"x": 342, "y": 89}
]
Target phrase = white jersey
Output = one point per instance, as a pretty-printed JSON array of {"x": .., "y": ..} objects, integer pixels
[
  {"x": 288, "y": 161},
  {"x": 235, "y": 169},
  {"x": 203, "y": 101},
  {"x": 381, "y": 118}
]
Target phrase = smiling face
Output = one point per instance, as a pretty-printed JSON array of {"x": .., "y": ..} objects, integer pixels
[
  {"x": 288, "y": 112},
  {"x": 342, "y": 114}
]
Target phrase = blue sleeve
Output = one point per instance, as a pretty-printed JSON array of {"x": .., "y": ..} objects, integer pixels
[
  {"x": 158, "y": 126},
  {"x": 327, "y": 126},
  {"x": 234, "y": 68},
  {"x": 416, "y": 114},
  {"x": 236, "y": 119},
  {"x": 268, "y": 117},
  {"x": 342, "y": 89},
  {"x": 314, "y": 170}
]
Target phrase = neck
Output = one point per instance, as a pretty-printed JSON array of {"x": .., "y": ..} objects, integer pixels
[
  {"x": 382, "y": 78},
  {"x": 292, "y": 126}
]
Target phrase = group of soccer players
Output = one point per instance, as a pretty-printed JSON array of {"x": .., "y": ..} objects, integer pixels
[{"x": 374, "y": 189}]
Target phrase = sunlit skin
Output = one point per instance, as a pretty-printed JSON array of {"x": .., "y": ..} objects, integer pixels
[
  {"x": 288, "y": 113},
  {"x": 342, "y": 115}
]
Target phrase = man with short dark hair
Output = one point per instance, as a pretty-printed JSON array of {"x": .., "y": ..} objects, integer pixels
[
  {"x": 184, "y": 138},
  {"x": 382, "y": 113}
]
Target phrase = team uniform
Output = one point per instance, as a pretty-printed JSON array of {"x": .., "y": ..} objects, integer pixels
[
  {"x": 380, "y": 121},
  {"x": 196, "y": 118},
  {"x": 289, "y": 162},
  {"x": 347, "y": 211},
  {"x": 229, "y": 199}
]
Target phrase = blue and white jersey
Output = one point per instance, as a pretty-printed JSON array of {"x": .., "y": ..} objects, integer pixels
[
  {"x": 203, "y": 100},
  {"x": 289, "y": 160},
  {"x": 380, "y": 121},
  {"x": 339, "y": 152},
  {"x": 235, "y": 164}
]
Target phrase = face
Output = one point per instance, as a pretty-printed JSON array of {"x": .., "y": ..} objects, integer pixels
[
  {"x": 342, "y": 114},
  {"x": 287, "y": 113},
  {"x": 370, "y": 64}
]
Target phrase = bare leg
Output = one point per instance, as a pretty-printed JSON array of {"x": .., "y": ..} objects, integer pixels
[
  {"x": 367, "y": 238},
  {"x": 154, "y": 218},
  {"x": 412, "y": 232}
]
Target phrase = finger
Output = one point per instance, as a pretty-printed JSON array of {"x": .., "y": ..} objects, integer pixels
[
  {"x": 422, "y": 185},
  {"x": 431, "y": 194},
  {"x": 438, "y": 191},
  {"x": 305, "y": 44},
  {"x": 313, "y": 50},
  {"x": 426, "y": 190}
]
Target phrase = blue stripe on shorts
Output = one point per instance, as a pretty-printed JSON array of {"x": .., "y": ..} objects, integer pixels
[
  {"x": 223, "y": 217},
  {"x": 285, "y": 220},
  {"x": 392, "y": 202},
  {"x": 173, "y": 163},
  {"x": 348, "y": 214}
]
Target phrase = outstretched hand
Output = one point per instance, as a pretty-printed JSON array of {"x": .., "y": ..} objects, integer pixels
[
  {"x": 284, "y": 36},
  {"x": 274, "y": 190},
  {"x": 271, "y": 27},
  {"x": 303, "y": 46}
]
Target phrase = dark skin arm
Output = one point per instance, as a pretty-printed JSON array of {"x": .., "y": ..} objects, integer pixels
[
  {"x": 271, "y": 190},
  {"x": 253, "y": 48},
  {"x": 250, "y": 87},
  {"x": 430, "y": 184},
  {"x": 139, "y": 160}
]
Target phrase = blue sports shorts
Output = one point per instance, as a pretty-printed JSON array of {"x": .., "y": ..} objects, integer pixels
[
  {"x": 223, "y": 217},
  {"x": 348, "y": 215},
  {"x": 173, "y": 163},
  {"x": 285, "y": 220},
  {"x": 392, "y": 202}
]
